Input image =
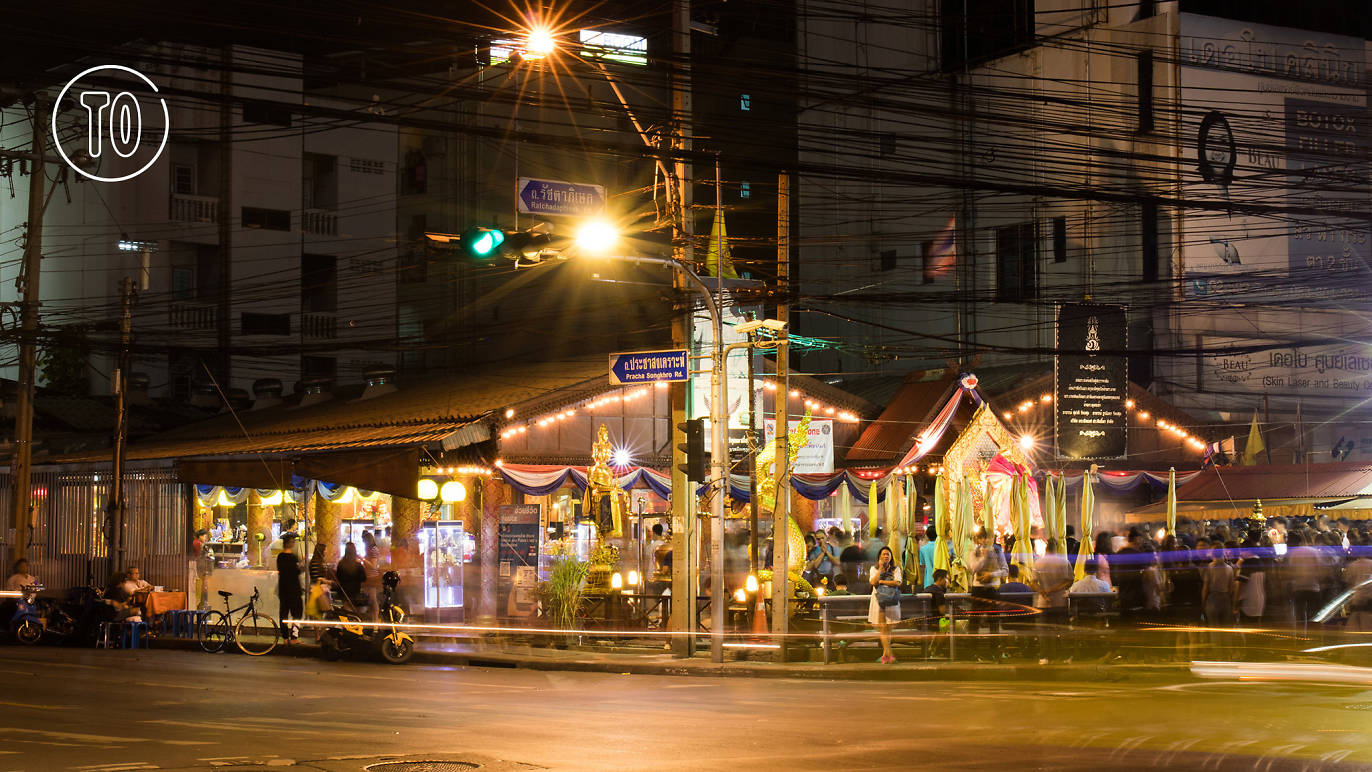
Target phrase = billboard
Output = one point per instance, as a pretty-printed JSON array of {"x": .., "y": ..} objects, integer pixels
[
  {"x": 1274, "y": 129},
  {"x": 1090, "y": 381},
  {"x": 1273, "y": 367},
  {"x": 816, "y": 456}
]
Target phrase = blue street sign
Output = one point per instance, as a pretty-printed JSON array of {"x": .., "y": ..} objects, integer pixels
[
  {"x": 649, "y": 366},
  {"x": 554, "y": 197}
]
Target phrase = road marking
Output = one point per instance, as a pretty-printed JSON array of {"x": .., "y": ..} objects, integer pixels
[{"x": 37, "y": 707}]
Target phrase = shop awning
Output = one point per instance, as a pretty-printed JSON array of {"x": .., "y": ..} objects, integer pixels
[
  {"x": 1356, "y": 508},
  {"x": 1279, "y": 481}
]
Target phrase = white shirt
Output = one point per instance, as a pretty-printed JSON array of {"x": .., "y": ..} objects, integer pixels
[
  {"x": 1090, "y": 583},
  {"x": 18, "y": 581}
]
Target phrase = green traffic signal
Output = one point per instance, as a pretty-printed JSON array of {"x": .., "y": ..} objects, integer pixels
[{"x": 483, "y": 242}]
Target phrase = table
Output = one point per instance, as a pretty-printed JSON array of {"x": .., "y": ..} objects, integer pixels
[{"x": 158, "y": 603}]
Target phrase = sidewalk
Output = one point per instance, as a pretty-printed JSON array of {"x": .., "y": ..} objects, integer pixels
[{"x": 502, "y": 654}]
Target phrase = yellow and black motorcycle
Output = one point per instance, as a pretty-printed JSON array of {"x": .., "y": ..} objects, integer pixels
[{"x": 353, "y": 634}]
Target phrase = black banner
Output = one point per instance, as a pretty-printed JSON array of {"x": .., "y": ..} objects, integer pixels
[{"x": 1091, "y": 381}]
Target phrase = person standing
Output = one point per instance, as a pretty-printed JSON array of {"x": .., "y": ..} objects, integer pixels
[
  {"x": 1305, "y": 568},
  {"x": 884, "y": 609},
  {"x": 289, "y": 588},
  {"x": 350, "y": 575},
  {"x": 1217, "y": 589},
  {"x": 1052, "y": 577},
  {"x": 988, "y": 570}
]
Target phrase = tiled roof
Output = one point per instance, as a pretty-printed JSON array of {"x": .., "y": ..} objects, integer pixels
[{"x": 892, "y": 434}]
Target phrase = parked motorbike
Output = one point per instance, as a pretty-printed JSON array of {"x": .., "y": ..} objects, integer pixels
[
  {"x": 26, "y": 625},
  {"x": 353, "y": 634},
  {"x": 35, "y": 618}
]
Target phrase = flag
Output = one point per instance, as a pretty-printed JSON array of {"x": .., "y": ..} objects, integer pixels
[
  {"x": 1172, "y": 500},
  {"x": 940, "y": 255},
  {"x": 719, "y": 248},
  {"x": 1254, "y": 446}
]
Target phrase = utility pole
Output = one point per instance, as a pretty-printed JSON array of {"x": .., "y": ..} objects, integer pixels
[
  {"x": 684, "y": 557},
  {"x": 28, "y": 338},
  {"x": 781, "y": 514},
  {"x": 117, "y": 510}
]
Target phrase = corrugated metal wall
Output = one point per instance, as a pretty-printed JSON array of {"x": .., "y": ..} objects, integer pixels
[{"x": 67, "y": 546}]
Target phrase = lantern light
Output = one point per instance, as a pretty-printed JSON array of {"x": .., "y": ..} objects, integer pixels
[
  {"x": 633, "y": 578},
  {"x": 750, "y": 584},
  {"x": 428, "y": 489},
  {"x": 616, "y": 581},
  {"x": 452, "y": 492},
  {"x": 274, "y": 499}
]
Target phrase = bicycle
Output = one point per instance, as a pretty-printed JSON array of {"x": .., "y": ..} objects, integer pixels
[{"x": 248, "y": 632}]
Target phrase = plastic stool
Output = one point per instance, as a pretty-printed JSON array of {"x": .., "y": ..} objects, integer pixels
[
  {"x": 109, "y": 635},
  {"x": 135, "y": 635},
  {"x": 181, "y": 625},
  {"x": 195, "y": 622}
]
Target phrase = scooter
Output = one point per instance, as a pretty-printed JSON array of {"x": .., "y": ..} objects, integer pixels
[
  {"x": 353, "y": 634},
  {"x": 27, "y": 623}
]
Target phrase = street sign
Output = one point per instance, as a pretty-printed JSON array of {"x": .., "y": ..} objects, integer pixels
[
  {"x": 649, "y": 367},
  {"x": 554, "y": 197}
]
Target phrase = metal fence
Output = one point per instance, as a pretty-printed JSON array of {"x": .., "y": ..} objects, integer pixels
[{"x": 68, "y": 544}]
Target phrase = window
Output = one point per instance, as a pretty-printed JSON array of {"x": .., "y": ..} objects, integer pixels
[
  {"x": 320, "y": 181},
  {"x": 888, "y": 144},
  {"x": 1145, "y": 79},
  {"x": 614, "y": 46},
  {"x": 1148, "y": 9},
  {"x": 887, "y": 260},
  {"x": 1016, "y": 266},
  {"x": 745, "y": 190},
  {"x": 183, "y": 179},
  {"x": 318, "y": 284},
  {"x": 183, "y": 284},
  {"x": 264, "y": 324},
  {"x": 318, "y": 367},
  {"x": 1059, "y": 239},
  {"x": 745, "y": 102},
  {"x": 267, "y": 219},
  {"x": 973, "y": 31},
  {"x": 1149, "y": 223},
  {"x": 269, "y": 114},
  {"x": 366, "y": 166},
  {"x": 414, "y": 179}
]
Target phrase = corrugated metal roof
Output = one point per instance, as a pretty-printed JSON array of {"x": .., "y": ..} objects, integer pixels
[
  {"x": 886, "y": 439},
  {"x": 1279, "y": 481},
  {"x": 417, "y": 413}
]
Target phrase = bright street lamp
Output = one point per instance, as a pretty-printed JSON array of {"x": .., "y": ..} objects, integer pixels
[
  {"x": 539, "y": 43},
  {"x": 596, "y": 237}
]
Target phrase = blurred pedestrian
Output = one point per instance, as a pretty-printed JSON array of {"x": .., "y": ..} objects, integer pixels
[
  {"x": 289, "y": 588},
  {"x": 1217, "y": 589},
  {"x": 884, "y": 609},
  {"x": 988, "y": 570}
]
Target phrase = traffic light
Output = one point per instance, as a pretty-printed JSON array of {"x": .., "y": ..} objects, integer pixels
[
  {"x": 694, "y": 448},
  {"x": 486, "y": 243}
]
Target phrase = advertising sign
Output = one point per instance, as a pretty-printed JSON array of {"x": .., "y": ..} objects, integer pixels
[
  {"x": 817, "y": 456},
  {"x": 1264, "y": 366},
  {"x": 1296, "y": 139},
  {"x": 1090, "y": 381},
  {"x": 517, "y": 558},
  {"x": 110, "y": 123},
  {"x": 735, "y": 370}
]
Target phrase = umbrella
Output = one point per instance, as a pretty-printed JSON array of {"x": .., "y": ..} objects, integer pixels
[
  {"x": 940, "y": 523},
  {"x": 1088, "y": 506},
  {"x": 962, "y": 533},
  {"x": 1060, "y": 506},
  {"x": 1172, "y": 500},
  {"x": 872, "y": 511},
  {"x": 1024, "y": 520},
  {"x": 845, "y": 507}
]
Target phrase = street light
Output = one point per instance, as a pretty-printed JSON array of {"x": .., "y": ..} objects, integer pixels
[
  {"x": 596, "y": 237},
  {"x": 539, "y": 43}
]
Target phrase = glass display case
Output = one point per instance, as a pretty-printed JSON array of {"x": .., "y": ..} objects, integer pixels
[{"x": 444, "y": 546}]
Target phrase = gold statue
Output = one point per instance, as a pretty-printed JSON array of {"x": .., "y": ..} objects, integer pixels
[
  {"x": 767, "y": 491},
  {"x": 604, "y": 502}
]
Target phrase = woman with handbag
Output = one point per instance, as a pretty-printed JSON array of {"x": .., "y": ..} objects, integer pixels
[{"x": 884, "y": 610}]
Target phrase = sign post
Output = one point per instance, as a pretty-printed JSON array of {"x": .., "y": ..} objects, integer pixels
[
  {"x": 1090, "y": 381},
  {"x": 558, "y": 198},
  {"x": 649, "y": 367}
]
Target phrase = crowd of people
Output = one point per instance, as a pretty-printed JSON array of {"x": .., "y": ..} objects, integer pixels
[{"x": 1240, "y": 572}]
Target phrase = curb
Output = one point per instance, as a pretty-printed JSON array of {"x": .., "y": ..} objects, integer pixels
[{"x": 914, "y": 671}]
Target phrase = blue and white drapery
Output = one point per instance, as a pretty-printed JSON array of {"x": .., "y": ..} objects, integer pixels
[{"x": 542, "y": 481}]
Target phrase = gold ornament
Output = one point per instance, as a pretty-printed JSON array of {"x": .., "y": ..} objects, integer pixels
[{"x": 604, "y": 502}]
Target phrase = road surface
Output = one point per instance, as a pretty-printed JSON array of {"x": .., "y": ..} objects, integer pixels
[{"x": 92, "y": 710}]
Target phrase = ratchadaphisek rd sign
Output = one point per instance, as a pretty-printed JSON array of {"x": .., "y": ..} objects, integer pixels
[
  {"x": 649, "y": 366},
  {"x": 554, "y": 197}
]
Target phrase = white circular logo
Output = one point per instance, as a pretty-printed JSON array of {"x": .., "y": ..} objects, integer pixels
[{"x": 103, "y": 124}]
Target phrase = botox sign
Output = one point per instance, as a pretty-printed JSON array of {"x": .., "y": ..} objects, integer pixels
[{"x": 110, "y": 124}]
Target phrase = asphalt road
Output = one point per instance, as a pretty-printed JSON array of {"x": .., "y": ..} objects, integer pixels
[{"x": 114, "y": 710}]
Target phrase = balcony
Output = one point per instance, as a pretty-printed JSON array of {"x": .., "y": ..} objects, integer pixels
[
  {"x": 194, "y": 208},
  {"x": 320, "y": 222},
  {"x": 194, "y": 316},
  {"x": 319, "y": 326}
]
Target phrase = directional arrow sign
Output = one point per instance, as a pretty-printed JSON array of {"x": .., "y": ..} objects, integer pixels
[
  {"x": 648, "y": 367},
  {"x": 554, "y": 197}
]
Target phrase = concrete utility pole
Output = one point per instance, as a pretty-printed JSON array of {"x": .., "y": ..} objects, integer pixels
[
  {"x": 684, "y": 559},
  {"x": 116, "y": 508},
  {"x": 781, "y": 512},
  {"x": 22, "y": 464}
]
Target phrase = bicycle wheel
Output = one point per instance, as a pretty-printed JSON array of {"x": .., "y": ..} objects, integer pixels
[
  {"x": 256, "y": 633},
  {"x": 215, "y": 632}
]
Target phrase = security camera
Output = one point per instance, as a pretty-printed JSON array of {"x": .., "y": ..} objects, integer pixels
[{"x": 750, "y": 327}]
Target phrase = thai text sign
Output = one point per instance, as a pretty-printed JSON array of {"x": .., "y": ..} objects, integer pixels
[
  {"x": 816, "y": 456},
  {"x": 649, "y": 367},
  {"x": 554, "y": 197},
  {"x": 1090, "y": 381},
  {"x": 1263, "y": 366}
]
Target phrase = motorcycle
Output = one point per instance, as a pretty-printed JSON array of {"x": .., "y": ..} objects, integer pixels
[
  {"x": 27, "y": 623},
  {"x": 352, "y": 634}
]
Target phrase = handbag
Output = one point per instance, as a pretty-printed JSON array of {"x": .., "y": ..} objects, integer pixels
[{"x": 887, "y": 596}]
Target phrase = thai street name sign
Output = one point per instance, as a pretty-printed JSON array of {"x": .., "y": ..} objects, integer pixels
[
  {"x": 1091, "y": 381},
  {"x": 558, "y": 198},
  {"x": 649, "y": 367}
]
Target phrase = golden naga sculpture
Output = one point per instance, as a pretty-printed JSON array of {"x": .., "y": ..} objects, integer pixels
[
  {"x": 767, "y": 491},
  {"x": 604, "y": 502}
]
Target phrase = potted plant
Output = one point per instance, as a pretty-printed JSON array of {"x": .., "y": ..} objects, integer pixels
[{"x": 564, "y": 592}]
